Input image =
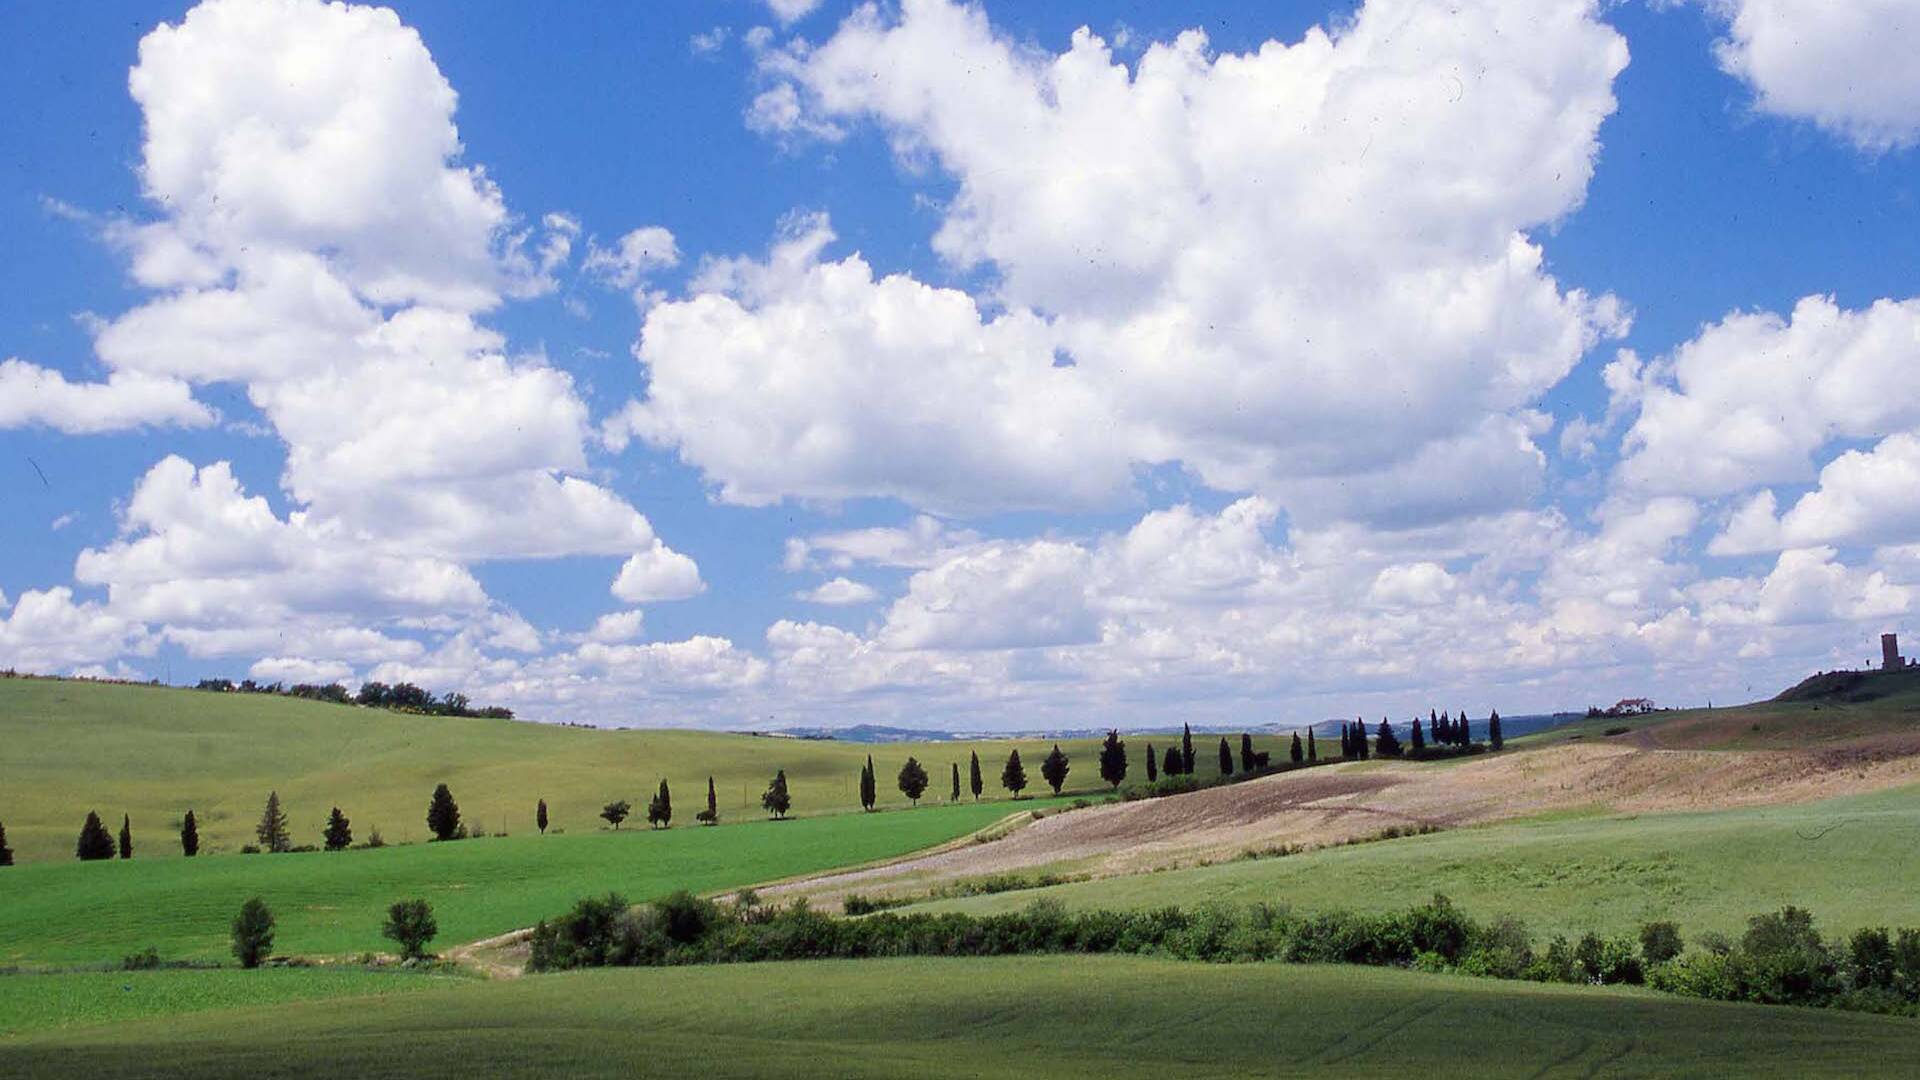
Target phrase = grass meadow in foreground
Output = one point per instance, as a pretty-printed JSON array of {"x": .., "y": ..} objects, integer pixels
[
  {"x": 1051, "y": 1016},
  {"x": 333, "y": 903},
  {"x": 33, "y": 1002},
  {"x": 1850, "y": 860}
]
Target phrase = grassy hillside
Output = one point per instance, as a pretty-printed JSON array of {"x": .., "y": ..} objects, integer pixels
[
  {"x": 335, "y": 903},
  {"x": 37, "y": 1002},
  {"x": 1848, "y": 860},
  {"x": 154, "y": 753},
  {"x": 1816, "y": 722},
  {"x": 1051, "y": 1016}
]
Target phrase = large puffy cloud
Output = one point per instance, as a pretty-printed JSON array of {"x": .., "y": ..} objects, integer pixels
[
  {"x": 1302, "y": 270},
  {"x": 658, "y": 573},
  {"x": 1863, "y": 497},
  {"x": 1847, "y": 67},
  {"x": 47, "y": 631},
  {"x": 32, "y": 395}
]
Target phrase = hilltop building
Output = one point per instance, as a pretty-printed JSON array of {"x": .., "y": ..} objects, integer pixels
[{"x": 1890, "y": 653}]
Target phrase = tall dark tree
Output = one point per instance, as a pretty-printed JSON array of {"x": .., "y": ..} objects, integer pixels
[
  {"x": 868, "y": 794},
  {"x": 126, "y": 837},
  {"x": 660, "y": 808},
  {"x": 1226, "y": 757},
  {"x": 1299, "y": 752},
  {"x": 711, "y": 815},
  {"x": 272, "y": 830},
  {"x": 96, "y": 842},
  {"x": 339, "y": 833},
  {"x": 1246, "y": 752},
  {"x": 1153, "y": 767},
  {"x": 1463, "y": 731},
  {"x": 1493, "y": 731},
  {"x": 1361, "y": 744},
  {"x": 443, "y": 814},
  {"x": 1346, "y": 740},
  {"x": 540, "y": 817},
  {"x": 189, "y": 836},
  {"x": 775, "y": 800},
  {"x": 913, "y": 779},
  {"x": 973, "y": 777},
  {"x": 1419, "y": 741},
  {"x": 252, "y": 933},
  {"x": 955, "y": 797},
  {"x": 616, "y": 812},
  {"x": 1170, "y": 765},
  {"x": 1186, "y": 750},
  {"x": 1385, "y": 741},
  {"x": 6, "y": 853},
  {"x": 1054, "y": 768},
  {"x": 1313, "y": 752},
  {"x": 1014, "y": 776},
  {"x": 1113, "y": 759}
]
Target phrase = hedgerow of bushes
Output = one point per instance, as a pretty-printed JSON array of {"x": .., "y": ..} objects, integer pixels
[{"x": 1781, "y": 959}]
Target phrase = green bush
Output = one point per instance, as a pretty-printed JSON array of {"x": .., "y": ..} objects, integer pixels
[
  {"x": 1659, "y": 942},
  {"x": 252, "y": 933},
  {"x": 410, "y": 925}
]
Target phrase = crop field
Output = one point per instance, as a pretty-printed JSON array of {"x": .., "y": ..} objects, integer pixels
[
  {"x": 32, "y": 1002},
  {"x": 153, "y": 753},
  {"x": 1046, "y": 1016},
  {"x": 1849, "y": 860},
  {"x": 333, "y": 903}
]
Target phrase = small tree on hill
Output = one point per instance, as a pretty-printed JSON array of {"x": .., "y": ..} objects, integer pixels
[
  {"x": 1386, "y": 742},
  {"x": 1153, "y": 767},
  {"x": 339, "y": 834},
  {"x": 443, "y": 814},
  {"x": 1054, "y": 768},
  {"x": 711, "y": 815},
  {"x": 913, "y": 779},
  {"x": 1419, "y": 741},
  {"x": 974, "y": 783},
  {"x": 272, "y": 830},
  {"x": 1313, "y": 752},
  {"x": 616, "y": 812},
  {"x": 126, "y": 837},
  {"x": 776, "y": 801},
  {"x": 1346, "y": 740},
  {"x": 540, "y": 817},
  {"x": 95, "y": 842},
  {"x": 411, "y": 926},
  {"x": 1246, "y": 752},
  {"x": 1463, "y": 731},
  {"x": 252, "y": 933},
  {"x": 868, "y": 794},
  {"x": 1014, "y": 776},
  {"x": 1226, "y": 757},
  {"x": 1493, "y": 731},
  {"x": 660, "y": 808},
  {"x": 189, "y": 836},
  {"x": 1113, "y": 759},
  {"x": 1297, "y": 753},
  {"x": 1186, "y": 749},
  {"x": 6, "y": 853},
  {"x": 955, "y": 797},
  {"x": 1170, "y": 762}
]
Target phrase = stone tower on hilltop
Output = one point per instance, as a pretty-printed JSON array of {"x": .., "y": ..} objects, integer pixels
[{"x": 1890, "y": 652}]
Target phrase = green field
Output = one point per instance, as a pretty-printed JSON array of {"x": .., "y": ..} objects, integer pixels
[
  {"x": 1850, "y": 861},
  {"x": 33, "y": 1002},
  {"x": 154, "y": 753},
  {"x": 334, "y": 903},
  {"x": 1040, "y": 1016}
]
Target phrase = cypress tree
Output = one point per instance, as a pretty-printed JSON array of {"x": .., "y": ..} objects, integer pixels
[
  {"x": 1246, "y": 752},
  {"x": 1170, "y": 766},
  {"x": 1463, "y": 731},
  {"x": 126, "y": 837},
  {"x": 955, "y": 797},
  {"x": 913, "y": 779},
  {"x": 6, "y": 853},
  {"x": 1226, "y": 757},
  {"x": 1153, "y": 767},
  {"x": 1313, "y": 752},
  {"x": 1346, "y": 740},
  {"x": 1113, "y": 759},
  {"x": 660, "y": 808},
  {"x": 1014, "y": 776},
  {"x": 443, "y": 814},
  {"x": 1186, "y": 749},
  {"x": 1419, "y": 740},
  {"x": 95, "y": 842},
  {"x": 540, "y": 817},
  {"x": 868, "y": 796},
  {"x": 973, "y": 776},
  {"x": 1493, "y": 731},
  {"x": 272, "y": 830},
  {"x": 1298, "y": 752},
  {"x": 1054, "y": 768},
  {"x": 189, "y": 836},
  {"x": 711, "y": 815},
  {"x": 776, "y": 801},
  {"x": 1360, "y": 744},
  {"x": 1386, "y": 742},
  {"x": 339, "y": 833}
]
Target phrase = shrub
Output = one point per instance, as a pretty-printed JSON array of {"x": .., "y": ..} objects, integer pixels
[
  {"x": 252, "y": 933},
  {"x": 147, "y": 959},
  {"x": 443, "y": 814},
  {"x": 374, "y": 839},
  {"x": 1697, "y": 974},
  {"x": 585, "y": 937},
  {"x": 685, "y": 916},
  {"x": 1608, "y": 961},
  {"x": 1659, "y": 942},
  {"x": 95, "y": 842},
  {"x": 410, "y": 925},
  {"x": 1782, "y": 960},
  {"x": 339, "y": 832}
]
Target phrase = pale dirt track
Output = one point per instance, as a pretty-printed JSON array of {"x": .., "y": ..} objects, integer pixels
[{"x": 1341, "y": 802}]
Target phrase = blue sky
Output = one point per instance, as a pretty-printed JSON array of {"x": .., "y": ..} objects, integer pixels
[{"x": 1435, "y": 494}]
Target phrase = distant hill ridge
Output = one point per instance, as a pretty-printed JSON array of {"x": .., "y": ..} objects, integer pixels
[{"x": 1853, "y": 687}]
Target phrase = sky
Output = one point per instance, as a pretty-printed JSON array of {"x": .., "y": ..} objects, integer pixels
[{"x": 757, "y": 363}]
